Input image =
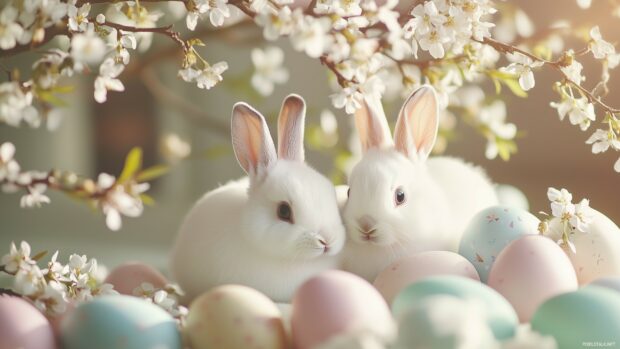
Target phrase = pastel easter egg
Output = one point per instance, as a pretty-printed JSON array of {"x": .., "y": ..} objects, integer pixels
[
  {"x": 235, "y": 317},
  {"x": 492, "y": 229},
  {"x": 408, "y": 270},
  {"x": 508, "y": 195},
  {"x": 444, "y": 322},
  {"x": 127, "y": 277},
  {"x": 588, "y": 317},
  {"x": 23, "y": 326},
  {"x": 597, "y": 250},
  {"x": 531, "y": 270},
  {"x": 500, "y": 315},
  {"x": 610, "y": 282},
  {"x": 336, "y": 303},
  {"x": 120, "y": 322}
]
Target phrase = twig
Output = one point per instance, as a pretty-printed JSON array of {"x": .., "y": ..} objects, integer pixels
[{"x": 167, "y": 30}]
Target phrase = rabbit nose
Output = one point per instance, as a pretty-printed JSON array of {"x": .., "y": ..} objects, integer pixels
[
  {"x": 324, "y": 243},
  {"x": 367, "y": 223}
]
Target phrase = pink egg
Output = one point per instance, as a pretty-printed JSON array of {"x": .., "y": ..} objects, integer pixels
[
  {"x": 126, "y": 277},
  {"x": 531, "y": 270},
  {"x": 408, "y": 270},
  {"x": 334, "y": 303},
  {"x": 23, "y": 326}
]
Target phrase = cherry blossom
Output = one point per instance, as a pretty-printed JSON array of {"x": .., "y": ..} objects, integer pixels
[{"x": 268, "y": 69}]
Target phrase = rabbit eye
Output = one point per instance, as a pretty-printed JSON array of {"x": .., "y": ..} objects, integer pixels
[
  {"x": 399, "y": 196},
  {"x": 285, "y": 212}
]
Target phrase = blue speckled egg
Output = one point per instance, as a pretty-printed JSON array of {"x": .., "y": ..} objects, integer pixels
[
  {"x": 492, "y": 229},
  {"x": 500, "y": 316},
  {"x": 119, "y": 322}
]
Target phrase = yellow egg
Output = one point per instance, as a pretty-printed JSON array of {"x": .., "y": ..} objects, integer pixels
[{"x": 235, "y": 317}]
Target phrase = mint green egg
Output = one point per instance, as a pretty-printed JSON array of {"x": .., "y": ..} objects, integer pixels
[
  {"x": 492, "y": 229},
  {"x": 119, "y": 322},
  {"x": 500, "y": 316},
  {"x": 586, "y": 318}
]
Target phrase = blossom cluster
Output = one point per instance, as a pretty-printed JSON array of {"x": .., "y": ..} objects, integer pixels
[
  {"x": 166, "y": 298},
  {"x": 56, "y": 286},
  {"x": 572, "y": 217},
  {"x": 114, "y": 197}
]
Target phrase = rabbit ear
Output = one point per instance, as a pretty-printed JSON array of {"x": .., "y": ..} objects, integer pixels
[
  {"x": 291, "y": 128},
  {"x": 417, "y": 125},
  {"x": 251, "y": 140},
  {"x": 372, "y": 126}
]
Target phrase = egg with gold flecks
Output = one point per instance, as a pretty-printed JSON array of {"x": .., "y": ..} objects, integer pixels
[
  {"x": 492, "y": 229},
  {"x": 235, "y": 317}
]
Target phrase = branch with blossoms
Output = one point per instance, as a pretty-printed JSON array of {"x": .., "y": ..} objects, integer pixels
[
  {"x": 114, "y": 197},
  {"x": 374, "y": 49},
  {"x": 57, "y": 286}
]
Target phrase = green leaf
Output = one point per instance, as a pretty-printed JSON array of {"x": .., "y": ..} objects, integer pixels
[
  {"x": 514, "y": 86},
  {"x": 49, "y": 97},
  {"x": 39, "y": 255},
  {"x": 147, "y": 199},
  {"x": 133, "y": 162},
  {"x": 498, "y": 86},
  {"x": 195, "y": 42},
  {"x": 152, "y": 172},
  {"x": 506, "y": 148}
]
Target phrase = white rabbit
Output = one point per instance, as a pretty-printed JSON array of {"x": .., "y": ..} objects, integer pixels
[
  {"x": 270, "y": 231},
  {"x": 399, "y": 203}
]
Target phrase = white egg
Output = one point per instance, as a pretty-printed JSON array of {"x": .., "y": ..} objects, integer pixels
[{"x": 597, "y": 251}]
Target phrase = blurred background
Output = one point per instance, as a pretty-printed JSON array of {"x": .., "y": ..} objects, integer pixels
[{"x": 95, "y": 138}]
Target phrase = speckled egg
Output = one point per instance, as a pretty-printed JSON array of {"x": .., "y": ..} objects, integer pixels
[
  {"x": 598, "y": 250},
  {"x": 126, "y": 277},
  {"x": 611, "y": 282},
  {"x": 334, "y": 303},
  {"x": 492, "y": 229},
  {"x": 235, "y": 317},
  {"x": 444, "y": 322},
  {"x": 119, "y": 322},
  {"x": 500, "y": 315},
  {"x": 23, "y": 326},
  {"x": 589, "y": 317},
  {"x": 529, "y": 271},
  {"x": 408, "y": 270}
]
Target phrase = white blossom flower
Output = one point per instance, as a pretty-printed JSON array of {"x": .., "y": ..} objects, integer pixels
[
  {"x": 53, "y": 301},
  {"x": 329, "y": 124},
  {"x": 584, "y": 4},
  {"x": 601, "y": 49},
  {"x": 349, "y": 98},
  {"x": 310, "y": 36},
  {"x": 210, "y": 76},
  {"x": 78, "y": 18},
  {"x": 10, "y": 30},
  {"x": 16, "y": 105},
  {"x": 433, "y": 42},
  {"x": 100, "y": 18},
  {"x": 494, "y": 118},
  {"x": 276, "y": 25},
  {"x": 268, "y": 69},
  {"x": 9, "y": 168},
  {"x": 582, "y": 216},
  {"x": 522, "y": 66},
  {"x": 217, "y": 10},
  {"x": 17, "y": 259},
  {"x": 174, "y": 148},
  {"x": 561, "y": 202},
  {"x": 602, "y": 140},
  {"x": 28, "y": 281},
  {"x": 579, "y": 110},
  {"x": 35, "y": 196},
  {"x": 573, "y": 72},
  {"x": 107, "y": 79},
  {"x": 87, "y": 47}
]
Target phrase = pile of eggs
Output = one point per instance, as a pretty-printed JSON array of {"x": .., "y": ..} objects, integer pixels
[{"x": 505, "y": 276}]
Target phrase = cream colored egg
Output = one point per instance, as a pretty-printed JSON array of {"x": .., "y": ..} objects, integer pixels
[
  {"x": 235, "y": 317},
  {"x": 529, "y": 271},
  {"x": 408, "y": 270},
  {"x": 597, "y": 251}
]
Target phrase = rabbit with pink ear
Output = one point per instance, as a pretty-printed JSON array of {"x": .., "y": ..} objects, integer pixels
[
  {"x": 399, "y": 201},
  {"x": 270, "y": 231}
]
